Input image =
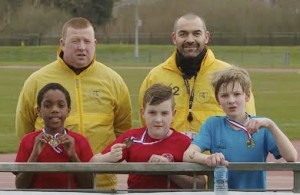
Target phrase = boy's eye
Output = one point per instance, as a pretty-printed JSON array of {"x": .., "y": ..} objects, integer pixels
[
  {"x": 237, "y": 93},
  {"x": 224, "y": 95},
  {"x": 47, "y": 105},
  {"x": 61, "y": 105}
]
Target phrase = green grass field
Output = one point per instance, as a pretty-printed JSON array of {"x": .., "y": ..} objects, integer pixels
[{"x": 276, "y": 94}]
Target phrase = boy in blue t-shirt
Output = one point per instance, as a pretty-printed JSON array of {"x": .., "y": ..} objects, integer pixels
[{"x": 238, "y": 137}]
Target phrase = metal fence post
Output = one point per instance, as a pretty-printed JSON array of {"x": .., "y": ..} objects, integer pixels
[{"x": 296, "y": 182}]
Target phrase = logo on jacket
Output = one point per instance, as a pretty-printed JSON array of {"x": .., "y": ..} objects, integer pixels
[
  {"x": 203, "y": 96},
  {"x": 95, "y": 93}
]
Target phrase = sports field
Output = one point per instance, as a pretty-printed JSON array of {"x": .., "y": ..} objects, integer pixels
[{"x": 275, "y": 73}]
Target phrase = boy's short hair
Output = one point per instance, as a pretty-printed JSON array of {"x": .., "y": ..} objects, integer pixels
[
  {"x": 53, "y": 86},
  {"x": 157, "y": 94},
  {"x": 231, "y": 74}
]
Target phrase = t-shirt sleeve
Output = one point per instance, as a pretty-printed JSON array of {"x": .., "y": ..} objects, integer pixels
[
  {"x": 24, "y": 151},
  {"x": 203, "y": 138},
  {"x": 271, "y": 145},
  {"x": 86, "y": 152}
]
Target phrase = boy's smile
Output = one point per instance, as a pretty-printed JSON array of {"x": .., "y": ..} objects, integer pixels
[{"x": 54, "y": 110}]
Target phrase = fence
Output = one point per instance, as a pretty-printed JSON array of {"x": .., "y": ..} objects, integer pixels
[
  {"x": 217, "y": 38},
  {"x": 151, "y": 168}
]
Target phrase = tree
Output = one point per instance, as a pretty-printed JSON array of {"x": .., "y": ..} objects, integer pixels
[{"x": 97, "y": 11}]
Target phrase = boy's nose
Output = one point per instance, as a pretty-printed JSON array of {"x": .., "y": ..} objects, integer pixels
[
  {"x": 231, "y": 99},
  {"x": 158, "y": 118},
  {"x": 54, "y": 109}
]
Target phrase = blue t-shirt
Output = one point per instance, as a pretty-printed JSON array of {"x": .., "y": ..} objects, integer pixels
[{"x": 217, "y": 135}]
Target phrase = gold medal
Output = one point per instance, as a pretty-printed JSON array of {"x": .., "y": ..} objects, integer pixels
[
  {"x": 128, "y": 142},
  {"x": 250, "y": 143},
  {"x": 53, "y": 142}
]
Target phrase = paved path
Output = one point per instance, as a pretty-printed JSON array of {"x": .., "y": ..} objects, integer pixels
[{"x": 275, "y": 179}]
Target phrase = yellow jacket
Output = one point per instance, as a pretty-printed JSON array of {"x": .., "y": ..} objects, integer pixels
[
  {"x": 204, "y": 104},
  {"x": 100, "y": 103}
]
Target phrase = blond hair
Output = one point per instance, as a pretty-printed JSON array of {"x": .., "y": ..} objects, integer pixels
[{"x": 232, "y": 74}]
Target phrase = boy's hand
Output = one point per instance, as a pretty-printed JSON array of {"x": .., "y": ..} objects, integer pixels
[
  {"x": 116, "y": 152},
  {"x": 68, "y": 143},
  {"x": 216, "y": 159},
  {"x": 39, "y": 143},
  {"x": 254, "y": 124},
  {"x": 158, "y": 158}
]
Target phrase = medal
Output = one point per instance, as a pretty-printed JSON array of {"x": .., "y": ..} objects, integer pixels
[
  {"x": 53, "y": 142},
  {"x": 128, "y": 141},
  {"x": 250, "y": 143}
]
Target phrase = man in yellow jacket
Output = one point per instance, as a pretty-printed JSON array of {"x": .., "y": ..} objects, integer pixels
[
  {"x": 188, "y": 71},
  {"x": 101, "y": 106}
]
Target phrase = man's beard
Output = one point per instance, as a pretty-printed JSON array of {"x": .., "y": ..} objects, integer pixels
[{"x": 189, "y": 66}]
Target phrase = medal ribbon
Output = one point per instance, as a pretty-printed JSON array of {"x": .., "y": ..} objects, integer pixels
[
  {"x": 238, "y": 125},
  {"x": 142, "y": 140}
]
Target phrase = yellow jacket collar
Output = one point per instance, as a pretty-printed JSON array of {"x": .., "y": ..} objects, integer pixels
[
  {"x": 170, "y": 63},
  {"x": 62, "y": 62}
]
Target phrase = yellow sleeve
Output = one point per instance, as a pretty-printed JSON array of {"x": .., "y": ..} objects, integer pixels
[
  {"x": 123, "y": 112},
  {"x": 26, "y": 113},
  {"x": 142, "y": 91}
]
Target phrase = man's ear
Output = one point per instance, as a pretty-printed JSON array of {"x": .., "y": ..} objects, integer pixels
[
  {"x": 207, "y": 37},
  {"x": 61, "y": 42},
  {"x": 173, "y": 36}
]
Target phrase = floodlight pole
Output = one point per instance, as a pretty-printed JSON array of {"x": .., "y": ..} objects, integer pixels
[{"x": 137, "y": 25}]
